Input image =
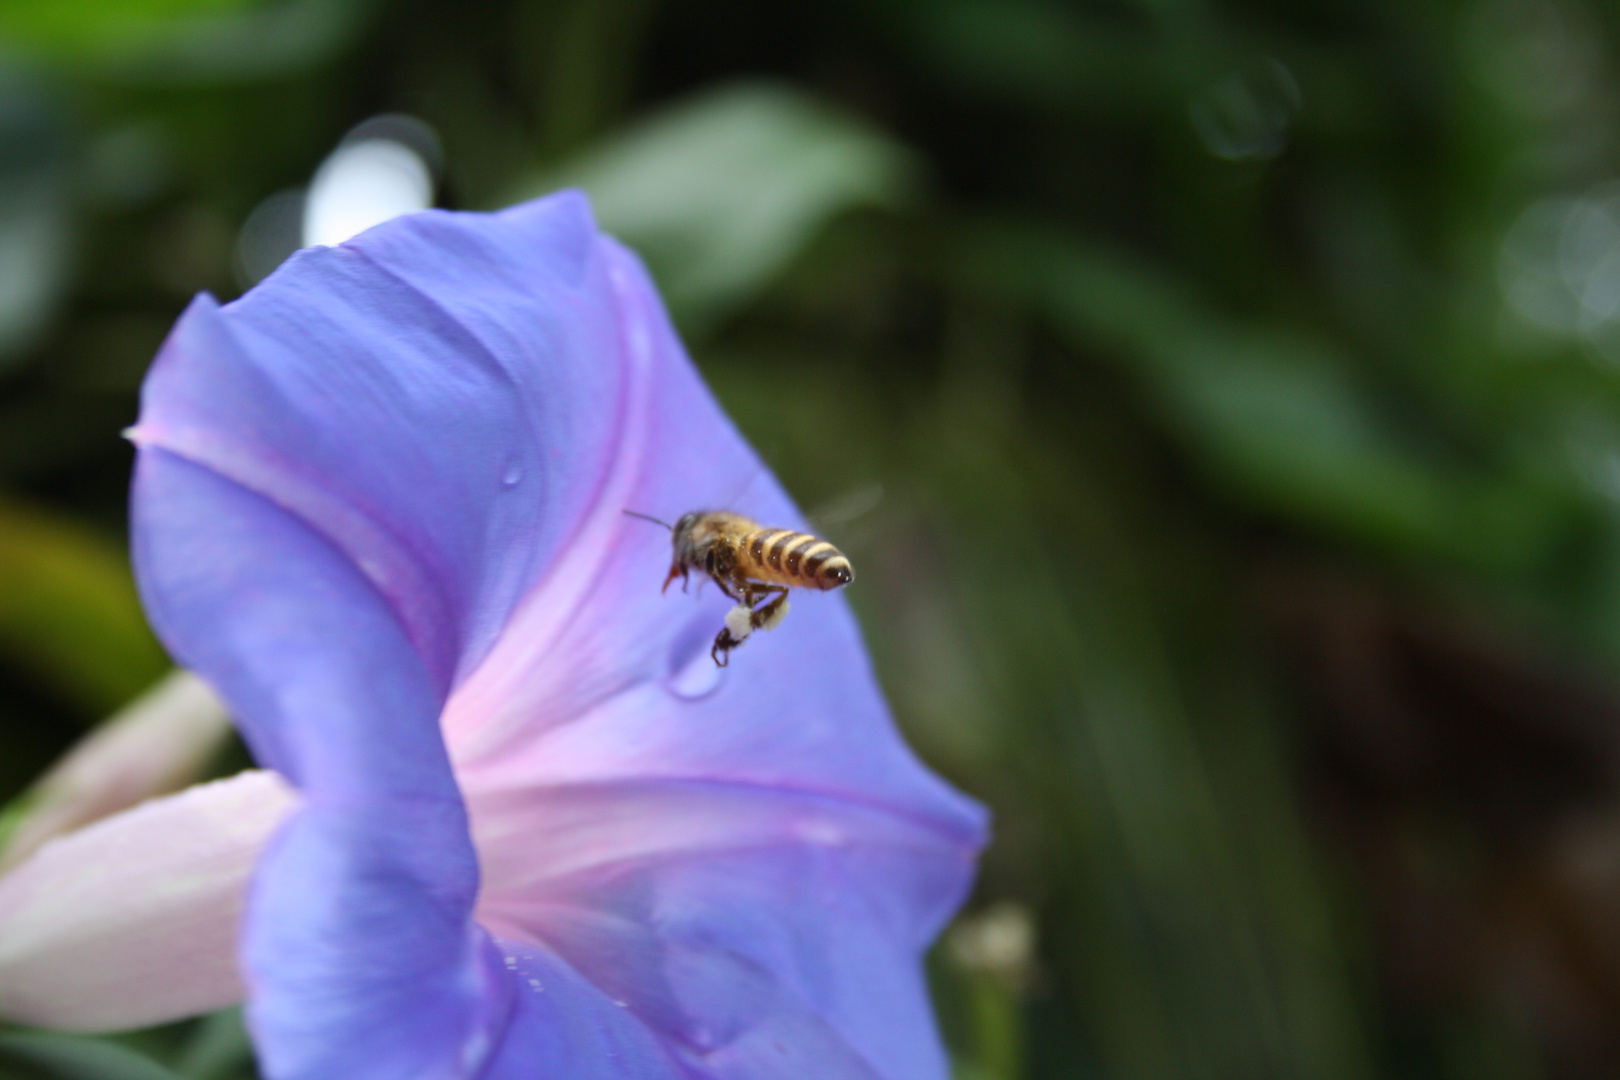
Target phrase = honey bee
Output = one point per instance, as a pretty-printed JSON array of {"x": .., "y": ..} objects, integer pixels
[{"x": 751, "y": 563}]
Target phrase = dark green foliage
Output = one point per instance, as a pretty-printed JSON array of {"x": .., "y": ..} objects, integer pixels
[{"x": 213, "y": 1048}]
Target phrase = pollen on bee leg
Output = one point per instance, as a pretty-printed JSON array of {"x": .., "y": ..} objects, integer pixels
[
  {"x": 777, "y": 614},
  {"x": 739, "y": 621}
]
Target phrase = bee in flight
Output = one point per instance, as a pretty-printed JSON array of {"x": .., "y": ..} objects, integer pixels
[{"x": 753, "y": 565}]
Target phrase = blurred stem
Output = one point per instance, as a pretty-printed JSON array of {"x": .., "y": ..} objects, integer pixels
[
  {"x": 583, "y": 52},
  {"x": 998, "y": 1028}
]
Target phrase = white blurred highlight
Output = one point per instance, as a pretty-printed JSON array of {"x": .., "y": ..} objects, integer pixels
[
  {"x": 999, "y": 941},
  {"x": 384, "y": 167},
  {"x": 273, "y": 231},
  {"x": 1559, "y": 267},
  {"x": 1246, "y": 115},
  {"x": 364, "y": 183}
]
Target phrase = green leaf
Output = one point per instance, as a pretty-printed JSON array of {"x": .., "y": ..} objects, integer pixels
[
  {"x": 1035, "y": 51},
  {"x": 69, "y": 614},
  {"x": 90, "y": 26},
  {"x": 184, "y": 41},
  {"x": 219, "y": 1048},
  {"x": 722, "y": 192},
  {"x": 34, "y": 217},
  {"x": 1280, "y": 417},
  {"x": 77, "y": 1057}
]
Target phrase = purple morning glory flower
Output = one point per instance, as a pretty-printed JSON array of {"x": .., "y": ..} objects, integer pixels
[{"x": 378, "y": 506}]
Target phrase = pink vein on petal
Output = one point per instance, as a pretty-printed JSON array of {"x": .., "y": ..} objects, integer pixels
[
  {"x": 381, "y": 556},
  {"x": 479, "y": 717}
]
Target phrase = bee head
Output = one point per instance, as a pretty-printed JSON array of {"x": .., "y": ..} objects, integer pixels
[{"x": 685, "y": 545}]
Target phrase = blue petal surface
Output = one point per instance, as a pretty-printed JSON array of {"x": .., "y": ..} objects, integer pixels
[
  {"x": 438, "y": 398},
  {"x": 379, "y": 506}
]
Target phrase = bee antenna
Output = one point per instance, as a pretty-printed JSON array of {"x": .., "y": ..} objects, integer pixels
[{"x": 649, "y": 517}]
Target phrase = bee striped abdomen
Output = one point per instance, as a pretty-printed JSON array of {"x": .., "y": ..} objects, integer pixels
[{"x": 797, "y": 558}]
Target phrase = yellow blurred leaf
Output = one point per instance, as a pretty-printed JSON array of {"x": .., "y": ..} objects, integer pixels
[{"x": 69, "y": 614}]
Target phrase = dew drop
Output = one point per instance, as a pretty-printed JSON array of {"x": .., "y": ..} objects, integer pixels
[
  {"x": 512, "y": 471},
  {"x": 698, "y": 677}
]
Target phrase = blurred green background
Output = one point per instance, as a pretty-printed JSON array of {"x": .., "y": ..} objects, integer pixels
[{"x": 1221, "y": 401}]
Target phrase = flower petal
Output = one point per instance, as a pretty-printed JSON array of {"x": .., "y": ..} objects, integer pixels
[
  {"x": 598, "y": 741},
  {"x": 565, "y": 1026},
  {"x": 134, "y": 920},
  {"x": 359, "y": 947},
  {"x": 360, "y": 953},
  {"x": 396, "y": 474},
  {"x": 345, "y": 481},
  {"x": 820, "y": 906},
  {"x": 600, "y": 675},
  {"x": 436, "y": 398}
]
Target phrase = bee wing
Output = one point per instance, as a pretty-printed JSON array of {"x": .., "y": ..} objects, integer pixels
[{"x": 845, "y": 508}]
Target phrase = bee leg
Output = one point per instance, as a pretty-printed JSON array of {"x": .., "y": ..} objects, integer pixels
[
  {"x": 770, "y": 616},
  {"x": 725, "y": 587},
  {"x": 723, "y": 644},
  {"x": 771, "y": 612},
  {"x": 755, "y": 591},
  {"x": 739, "y": 624}
]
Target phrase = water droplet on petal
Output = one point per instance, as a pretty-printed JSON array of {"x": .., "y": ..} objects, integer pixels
[
  {"x": 512, "y": 471},
  {"x": 698, "y": 677}
]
